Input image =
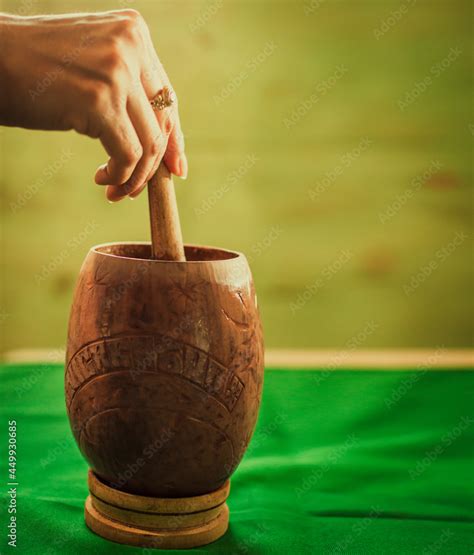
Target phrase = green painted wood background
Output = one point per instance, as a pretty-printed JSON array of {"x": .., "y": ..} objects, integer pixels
[{"x": 356, "y": 215}]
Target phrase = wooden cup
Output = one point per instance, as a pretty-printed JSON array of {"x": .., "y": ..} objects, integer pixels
[{"x": 164, "y": 377}]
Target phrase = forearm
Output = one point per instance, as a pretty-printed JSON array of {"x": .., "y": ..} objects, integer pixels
[
  {"x": 28, "y": 58},
  {"x": 6, "y": 76},
  {"x": 18, "y": 69}
]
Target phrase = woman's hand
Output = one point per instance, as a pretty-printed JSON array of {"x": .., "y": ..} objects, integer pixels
[{"x": 95, "y": 73}]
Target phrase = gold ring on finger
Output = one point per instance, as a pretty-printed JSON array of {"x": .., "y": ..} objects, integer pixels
[{"x": 163, "y": 99}]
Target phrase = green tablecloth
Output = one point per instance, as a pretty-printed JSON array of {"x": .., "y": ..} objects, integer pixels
[{"x": 356, "y": 462}]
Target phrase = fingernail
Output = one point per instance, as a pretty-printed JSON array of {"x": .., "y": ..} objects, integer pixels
[
  {"x": 101, "y": 175},
  {"x": 112, "y": 196},
  {"x": 183, "y": 166}
]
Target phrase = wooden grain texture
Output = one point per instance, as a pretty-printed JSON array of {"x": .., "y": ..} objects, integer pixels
[
  {"x": 164, "y": 368},
  {"x": 150, "y": 521},
  {"x": 153, "y": 513},
  {"x": 156, "y": 505},
  {"x": 166, "y": 236},
  {"x": 159, "y": 539}
]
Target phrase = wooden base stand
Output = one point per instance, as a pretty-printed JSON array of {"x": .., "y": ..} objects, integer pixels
[{"x": 156, "y": 522}]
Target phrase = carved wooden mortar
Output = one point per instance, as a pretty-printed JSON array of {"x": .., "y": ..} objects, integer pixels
[{"x": 163, "y": 385}]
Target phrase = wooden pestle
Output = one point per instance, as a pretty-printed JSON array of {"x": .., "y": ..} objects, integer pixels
[{"x": 166, "y": 237}]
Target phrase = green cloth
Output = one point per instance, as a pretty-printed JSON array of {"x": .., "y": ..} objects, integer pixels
[{"x": 356, "y": 462}]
